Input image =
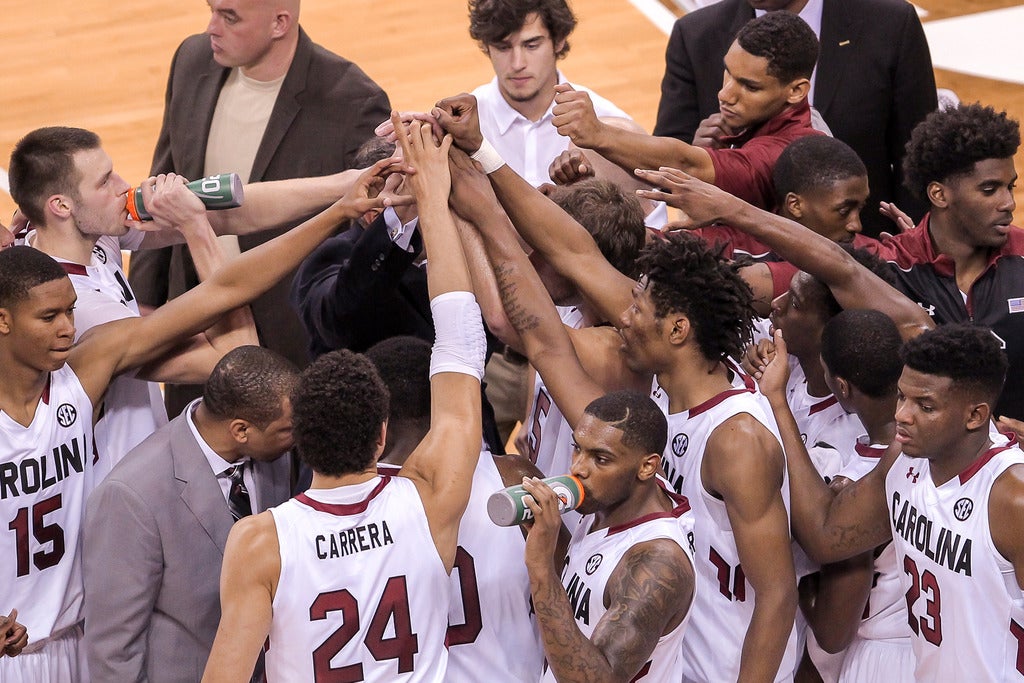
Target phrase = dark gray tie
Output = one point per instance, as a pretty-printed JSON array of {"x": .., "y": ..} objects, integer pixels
[{"x": 238, "y": 495}]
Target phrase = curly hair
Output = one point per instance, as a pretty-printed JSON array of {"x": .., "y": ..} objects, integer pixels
[
  {"x": 404, "y": 366},
  {"x": 642, "y": 423},
  {"x": 491, "y": 21},
  {"x": 337, "y": 412},
  {"x": 970, "y": 355},
  {"x": 21, "y": 269},
  {"x": 814, "y": 162},
  {"x": 612, "y": 217},
  {"x": 863, "y": 347},
  {"x": 785, "y": 40},
  {"x": 685, "y": 276},
  {"x": 250, "y": 383},
  {"x": 42, "y": 164},
  {"x": 950, "y": 141}
]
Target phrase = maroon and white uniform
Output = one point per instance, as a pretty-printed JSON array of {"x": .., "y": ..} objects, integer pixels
[
  {"x": 593, "y": 556},
  {"x": 46, "y": 473},
  {"x": 881, "y": 649},
  {"x": 966, "y": 609},
  {"x": 132, "y": 408},
  {"x": 492, "y": 633},
  {"x": 723, "y": 604},
  {"x": 363, "y": 594},
  {"x": 822, "y": 421}
]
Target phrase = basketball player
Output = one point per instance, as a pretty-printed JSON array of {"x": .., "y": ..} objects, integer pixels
[
  {"x": 621, "y": 607},
  {"x": 492, "y": 634},
  {"x": 48, "y": 393},
  {"x": 950, "y": 495},
  {"x": 326, "y": 573},
  {"x": 679, "y": 323}
]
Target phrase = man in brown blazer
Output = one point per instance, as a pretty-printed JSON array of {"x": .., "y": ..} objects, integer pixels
[{"x": 221, "y": 108}]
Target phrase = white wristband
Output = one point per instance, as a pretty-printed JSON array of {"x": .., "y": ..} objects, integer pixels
[
  {"x": 459, "y": 342},
  {"x": 488, "y": 157}
]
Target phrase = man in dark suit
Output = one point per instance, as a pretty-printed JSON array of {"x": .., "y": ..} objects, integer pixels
[
  {"x": 873, "y": 82},
  {"x": 325, "y": 107},
  {"x": 156, "y": 527}
]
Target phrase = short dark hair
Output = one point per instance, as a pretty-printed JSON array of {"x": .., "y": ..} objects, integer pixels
[
  {"x": 950, "y": 141},
  {"x": 42, "y": 165},
  {"x": 685, "y": 276},
  {"x": 642, "y": 423},
  {"x": 403, "y": 363},
  {"x": 813, "y": 163},
  {"x": 250, "y": 383},
  {"x": 338, "y": 408},
  {"x": 612, "y": 217},
  {"x": 785, "y": 40},
  {"x": 21, "y": 269},
  {"x": 863, "y": 347},
  {"x": 970, "y": 355},
  {"x": 372, "y": 151},
  {"x": 491, "y": 21}
]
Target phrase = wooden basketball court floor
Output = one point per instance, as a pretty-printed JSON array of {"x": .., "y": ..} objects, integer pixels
[{"x": 103, "y": 65}]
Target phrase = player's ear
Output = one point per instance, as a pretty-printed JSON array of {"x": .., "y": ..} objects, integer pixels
[
  {"x": 650, "y": 465},
  {"x": 936, "y": 193},
  {"x": 794, "y": 205},
  {"x": 6, "y": 320},
  {"x": 282, "y": 24},
  {"x": 979, "y": 416},
  {"x": 239, "y": 429},
  {"x": 382, "y": 439},
  {"x": 680, "y": 328},
  {"x": 59, "y": 205}
]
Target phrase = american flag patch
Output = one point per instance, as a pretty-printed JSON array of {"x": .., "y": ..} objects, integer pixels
[{"x": 1016, "y": 305}]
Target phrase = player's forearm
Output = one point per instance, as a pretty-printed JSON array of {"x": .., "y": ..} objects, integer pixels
[
  {"x": 768, "y": 633},
  {"x": 573, "y": 658},
  {"x": 810, "y": 497},
  {"x": 484, "y": 283},
  {"x": 843, "y": 589},
  {"x": 447, "y": 270},
  {"x": 632, "y": 150},
  {"x": 279, "y": 203}
]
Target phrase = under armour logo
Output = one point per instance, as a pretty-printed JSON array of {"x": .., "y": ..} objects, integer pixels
[
  {"x": 930, "y": 308},
  {"x": 593, "y": 563},
  {"x": 912, "y": 475},
  {"x": 66, "y": 415}
]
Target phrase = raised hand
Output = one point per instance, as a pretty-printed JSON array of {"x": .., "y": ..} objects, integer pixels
[
  {"x": 896, "y": 215},
  {"x": 458, "y": 115},
  {"x": 570, "y": 166},
  {"x": 701, "y": 203},
  {"x": 386, "y": 129},
  {"x": 547, "y": 521},
  {"x": 757, "y": 356},
  {"x": 472, "y": 196},
  {"x": 368, "y": 192},
  {"x": 711, "y": 131},
  {"x": 172, "y": 205},
  {"x": 573, "y": 116},
  {"x": 432, "y": 179},
  {"x": 776, "y": 373}
]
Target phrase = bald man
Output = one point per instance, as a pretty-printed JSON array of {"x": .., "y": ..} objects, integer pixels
[{"x": 254, "y": 95}]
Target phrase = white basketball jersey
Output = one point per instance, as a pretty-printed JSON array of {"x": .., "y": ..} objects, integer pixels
[
  {"x": 821, "y": 420},
  {"x": 46, "y": 473},
  {"x": 724, "y": 601},
  {"x": 966, "y": 610},
  {"x": 593, "y": 556},
  {"x": 492, "y": 633},
  {"x": 885, "y": 615},
  {"x": 363, "y": 594},
  {"x": 132, "y": 408}
]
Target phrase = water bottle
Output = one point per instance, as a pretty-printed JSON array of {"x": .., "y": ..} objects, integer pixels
[
  {"x": 222, "y": 191},
  {"x": 508, "y": 507}
]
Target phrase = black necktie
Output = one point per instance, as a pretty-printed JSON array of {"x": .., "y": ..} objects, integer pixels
[{"x": 238, "y": 495}]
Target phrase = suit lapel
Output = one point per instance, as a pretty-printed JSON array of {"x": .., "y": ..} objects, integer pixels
[
  {"x": 192, "y": 147},
  {"x": 839, "y": 42},
  {"x": 199, "y": 488},
  {"x": 286, "y": 108}
]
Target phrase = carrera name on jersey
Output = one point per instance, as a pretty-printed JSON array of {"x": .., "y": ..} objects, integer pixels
[
  {"x": 32, "y": 475},
  {"x": 946, "y": 547},
  {"x": 355, "y": 540}
]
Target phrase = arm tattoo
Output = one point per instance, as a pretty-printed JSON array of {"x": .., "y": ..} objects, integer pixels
[{"x": 519, "y": 315}]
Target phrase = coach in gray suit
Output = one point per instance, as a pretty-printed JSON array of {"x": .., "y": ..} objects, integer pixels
[{"x": 155, "y": 528}]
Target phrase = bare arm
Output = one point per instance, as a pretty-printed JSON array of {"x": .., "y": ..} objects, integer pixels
[
  {"x": 561, "y": 240},
  {"x": 127, "y": 344},
  {"x": 852, "y": 285},
  {"x": 574, "y": 117},
  {"x": 648, "y": 594},
  {"x": 248, "y": 583},
  {"x": 1006, "y": 518},
  {"x": 830, "y": 528},
  {"x": 744, "y": 465},
  {"x": 442, "y": 465}
]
